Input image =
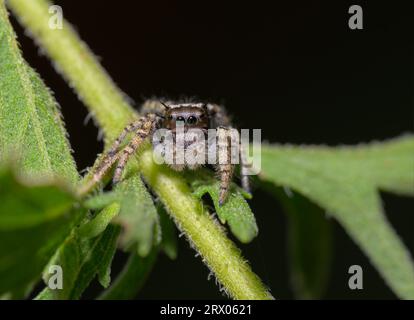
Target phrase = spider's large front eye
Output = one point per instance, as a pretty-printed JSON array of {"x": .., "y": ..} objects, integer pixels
[
  {"x": 180, "y": 118},
  {"x": 191, "y": 120}
]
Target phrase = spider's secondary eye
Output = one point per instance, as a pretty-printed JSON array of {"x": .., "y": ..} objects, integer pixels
[
  {"x": 180, "y": 118},
  {"x": 191, "y": 120}
]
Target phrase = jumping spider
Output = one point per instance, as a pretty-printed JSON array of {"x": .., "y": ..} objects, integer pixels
[{"x": 168, "y": 115}]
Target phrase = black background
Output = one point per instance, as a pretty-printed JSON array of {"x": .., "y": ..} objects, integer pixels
[{"x": 294, "y": 69}]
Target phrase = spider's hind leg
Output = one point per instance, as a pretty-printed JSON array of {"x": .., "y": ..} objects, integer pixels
[
  {"x": 218, "y": 115},
  {"x": 152, "y": 106}
]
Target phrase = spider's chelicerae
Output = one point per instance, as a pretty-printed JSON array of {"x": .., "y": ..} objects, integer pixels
[{"x": 169, "y": 115}]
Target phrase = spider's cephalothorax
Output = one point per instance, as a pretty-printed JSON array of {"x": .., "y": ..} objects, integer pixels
[{"x": 173, "y": 116}]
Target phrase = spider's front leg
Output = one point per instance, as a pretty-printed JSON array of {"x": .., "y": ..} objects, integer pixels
[
  {"x": 224, "y": 167},
  {"x": 244, "y": 167},
  {"x": 141, "y": 128},
  {"x": 229, "y": 150},
  {"x": 112, "y": 156},
  {"x": 149, "y": 124}
]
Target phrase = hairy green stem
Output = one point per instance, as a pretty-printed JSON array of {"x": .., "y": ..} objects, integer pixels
[
  {"x": 217, "y": 251},
  {"x": 77, "y": 64},
  {"x": 105, "y": 101}
]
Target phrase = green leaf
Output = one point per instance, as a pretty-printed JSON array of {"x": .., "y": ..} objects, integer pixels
[
  {"x": 99, "y": 223},
  {"x": 131, "y": 206},
  {"x": 81, "y": 260},
  {"x": 37, "y": 218},
  {"x": 310, "y": 248},
  {"x": 30, "y": 121},
  {"x": 26, "y": 204},
  {"x": 34, "y": 220},
  {"x": 138, "y": 216},
  {"x": 101, "y": 200},
  {"x": 345, "y": 182},
  {"x": 309, "y": 236},
  {"x": 132, "y": 277},
  {"x": 235, "y": 211},
  {"x": 168, "y": 233}
]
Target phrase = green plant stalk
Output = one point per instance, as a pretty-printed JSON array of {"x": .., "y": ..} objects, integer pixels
[
  {"x": 203, "y": 232},
  {"x": 77, "y": 64},
  {"x": 105, "y": 101}
]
